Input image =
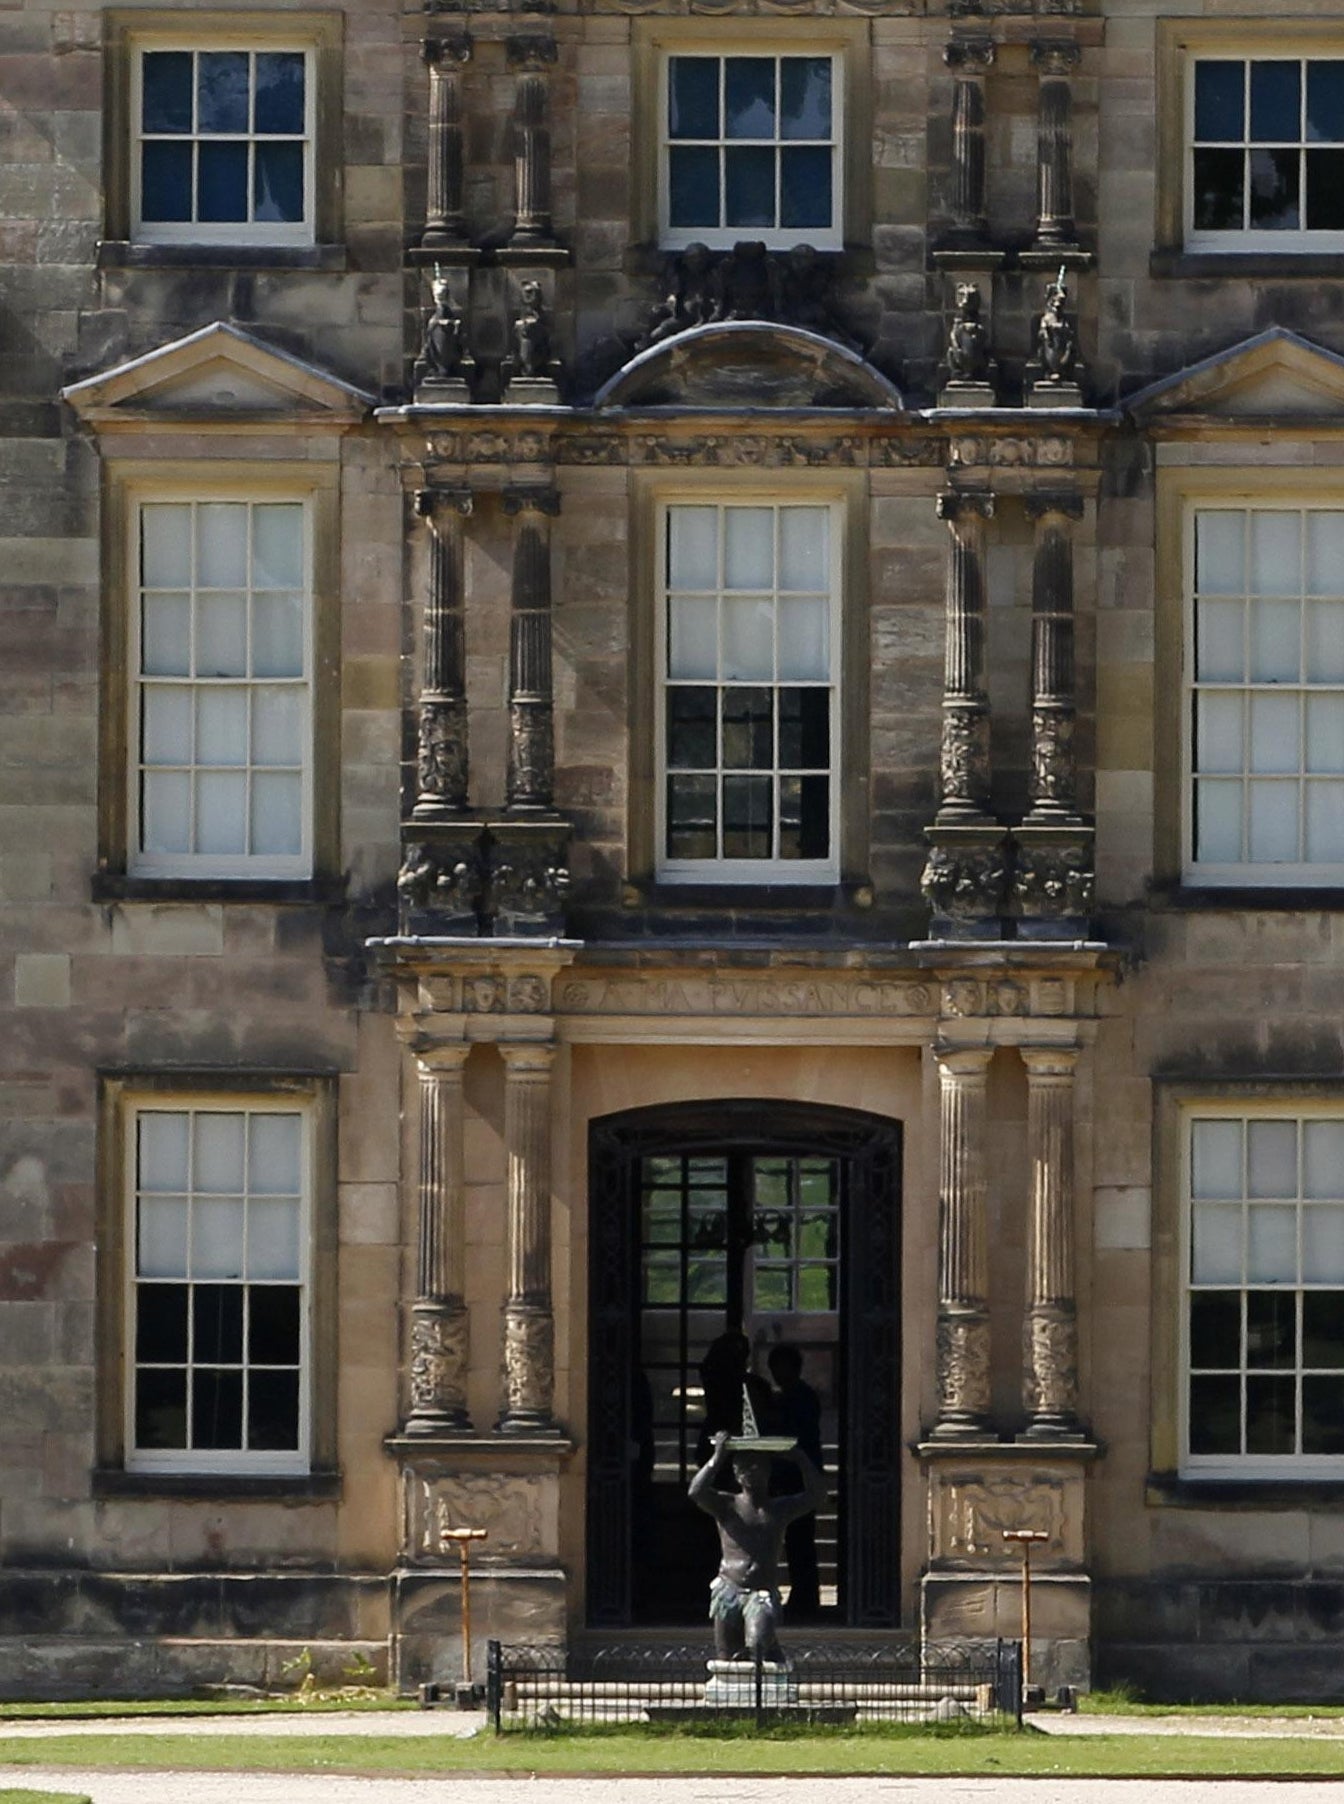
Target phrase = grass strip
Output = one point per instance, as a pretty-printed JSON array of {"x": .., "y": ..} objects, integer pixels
[
  {"x": 895, "y": 1753},
  {"x": 1123, "y": 1702},
  {"x": 44, "y": 1797},
  {"x": 295, "y": 1703}
]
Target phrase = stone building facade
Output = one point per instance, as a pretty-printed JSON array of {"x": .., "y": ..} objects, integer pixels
[{"x": 669, "y": 670}]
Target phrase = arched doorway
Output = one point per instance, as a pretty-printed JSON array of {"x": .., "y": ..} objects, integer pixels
[{"x": 778, "y": 1219}]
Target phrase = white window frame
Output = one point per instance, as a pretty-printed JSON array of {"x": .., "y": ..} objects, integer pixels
[
  {"x": 774, "y": 238},
  {"x": 241, "y": 232},
  {"x": 283, "y": 1463},
  {"x": 1239, "y": 240},
  {"x": 1249, "y": 874},
  {"x": 278, "y": 867},
  {"x": 1247, "y": 1465},
  {"x": 748, "y": 871}
]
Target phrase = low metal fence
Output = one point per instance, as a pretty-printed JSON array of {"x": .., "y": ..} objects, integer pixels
[{"x": 546, "y": 1687}]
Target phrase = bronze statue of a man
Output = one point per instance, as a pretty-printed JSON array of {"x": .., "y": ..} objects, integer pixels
[{"x": 744, "y": 1602}]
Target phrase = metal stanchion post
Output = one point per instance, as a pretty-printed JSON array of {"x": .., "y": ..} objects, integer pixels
[
  {"x": 466, "y": 1691},
  {"x": 1026, "y": 1538}
]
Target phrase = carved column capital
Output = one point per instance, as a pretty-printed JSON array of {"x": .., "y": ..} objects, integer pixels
[
  {"x": 527, "y": 1060},
  {"x": 1050, "y": 1065},
  {"x": 530, "y": 497},
  {"x": 530, "y": 50},
  {"x": 450, "y": 50},
  {"x": 1055, "y": 56},
  {"x": 966, "y": 1065},
  {"x": 956, "y": 506},
  {"x": 1061, "y": 504},
  {"x": 441, "y": 1058},
  {"x": 436, "y": 504},
  {"x": 969, "y": 56}
]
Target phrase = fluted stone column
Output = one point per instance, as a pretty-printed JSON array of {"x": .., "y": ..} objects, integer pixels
[
  {"x": 970, "y": 60},
  {"x": 442, "y": 751},
  {"x": 1054, "y": 62},
  {"x": 964, "y": 762},
  {"x": 963, "y": 1257},
  {"x": 439, "y": 1327},
  {"x": 445, "y": 205},
  {"x": 1050, "y": 1329},
  {"x": 531, "y": 771},
  {"x": 1054, "y": 773},
  {"x": 529, "y": 1330},
  {"x": 530, "y": 56}
]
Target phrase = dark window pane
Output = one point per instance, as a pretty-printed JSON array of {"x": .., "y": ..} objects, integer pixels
[
  {"x": 1325, "y": 103},
  {"x": 277, "y": 182},
  {"x": 160, "y": 1409},
  {"x": 692, "y": 187},
  {"x": 222, "y": 182},
  {"x": 1270, "y": 1427},
  {"x": 165, "y": 182},
  {"x": 706, "y": 1283},
  {"x": 746, "y": 817},
  {"x": 1219, "y": 102},
  {"x": 273, "y": 1325},
  {"x": 805, "y": 187},
  {"x": 805, "y": 97},
  {"x": 1274, "y": 183},
  {"x": 217, "y": 1318},
  {"x": 693, "y": 97},
  {"x": 1323, "y": 1328},
  {"x": 804, "y": 729},
  {"x": 749, "y": 187},
  {"x": 749, "y": 97},
  {"x": 273, "y": 1410},
  {"x": 748, "y": 729},
  {"x": 1215, "y": 1329},
  {"x": 161, "y": 1323},
  {"x": 1215, "y": 1415},
  {"x": 216, "y": 1408},
  {"x": 691, "y": 716},
  {"x": 1323, "y": 1415},
  {"x": 1271, "y": 1329},
  {"x": 692, "y": 817},
  {"x": 221, "y": 91},
  {"x": 165, "y": 91},
  {"x": 1276, "y": 103},
  {"x": 804, "y": 817},
  {"x": 1220, "y": 177},
  {"x": 279, "y": 97},
  {"x": 1325, "y": 190}
]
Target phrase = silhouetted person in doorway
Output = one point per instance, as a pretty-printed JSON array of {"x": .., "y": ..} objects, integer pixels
[
  {"x": 797, "y": 1409},
  {"x": 723, "y": 1372}
]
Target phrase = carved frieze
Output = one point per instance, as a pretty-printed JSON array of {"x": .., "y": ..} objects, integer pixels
[
  {"x": 1052, "y": 452},
  {"x": 973, "y": 1511},
  {"x": 507, "y": 1506},
  {"x": 787, "y": 288},
  {"x": 445, "y": 874},
  {"x": 512, "y": 876},
  {"x": 1053, "y": 878}
]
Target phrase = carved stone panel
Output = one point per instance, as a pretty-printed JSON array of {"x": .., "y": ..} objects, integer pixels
[
  {"x": 511, "y": 1507},
  {"x": 973, "y": 1504}
]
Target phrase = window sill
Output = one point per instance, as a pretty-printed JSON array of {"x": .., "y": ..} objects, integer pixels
[
  {"x": 113, "y": 886},
  {"x": 811, "y": 898},
  {"x": 119, "y": 253},
  {"x": 311, "y": 1487},
  {"x": 1270, "y": 900},
  {"x": 1167, "y": 1490},
  {"x": 1273, "y": 265}
]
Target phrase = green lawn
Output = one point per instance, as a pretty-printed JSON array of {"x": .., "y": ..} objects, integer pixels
[
  {"x": 1124, "y": 1702},
  {"x": 966, "y": 1754},
  {"x": 43, "y": 1797}
]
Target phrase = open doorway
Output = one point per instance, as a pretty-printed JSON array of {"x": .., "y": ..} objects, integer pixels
[{"x": 779, "y": 1224}]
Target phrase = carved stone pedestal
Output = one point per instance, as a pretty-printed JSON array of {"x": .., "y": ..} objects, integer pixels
[
  {"x": 443, "y": 877},
  {"x": 529, "y": 874},
  {"x": 965, "y": 881},
  {"x": 971, "y": 1589},
  {"x": 1053, "y": 881},
  {"x": 512, "y": 1490}
]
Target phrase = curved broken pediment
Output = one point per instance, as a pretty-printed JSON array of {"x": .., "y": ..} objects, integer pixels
[{"x": 747, "y": 364}]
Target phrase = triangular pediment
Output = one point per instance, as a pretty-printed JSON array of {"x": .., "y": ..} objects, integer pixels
[
  {"x": 745, "y": 365},
  {"x": 219, "y": 375},
  {"x": 1275, "y": 378}
]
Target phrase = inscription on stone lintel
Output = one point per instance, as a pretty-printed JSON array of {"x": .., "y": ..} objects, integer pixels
[{"x": 729, "y": 996}]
